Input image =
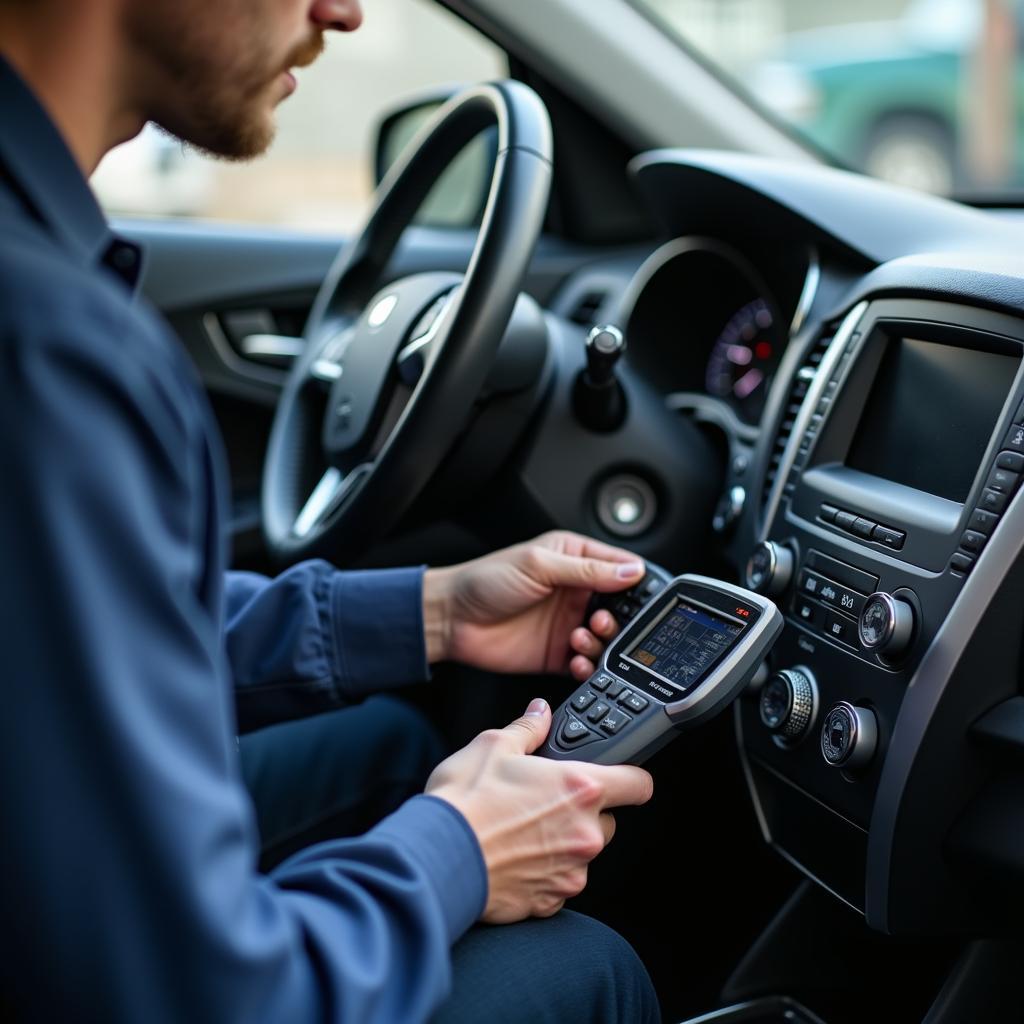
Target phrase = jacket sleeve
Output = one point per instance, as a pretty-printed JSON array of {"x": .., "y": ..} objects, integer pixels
[
  {"x": 314, "y": 638},
  {"x": 127, "y": 872}
]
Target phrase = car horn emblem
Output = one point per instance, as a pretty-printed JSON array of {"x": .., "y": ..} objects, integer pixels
[{"x": 380, "y": 313}]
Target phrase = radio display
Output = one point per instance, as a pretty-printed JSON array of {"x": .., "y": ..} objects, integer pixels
[
  {"x": 684, "y": 642},
  {"x": 930, "y": 414}
]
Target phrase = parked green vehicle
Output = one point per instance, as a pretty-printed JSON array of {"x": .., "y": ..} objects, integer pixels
[{"x": 890, "y": 98}]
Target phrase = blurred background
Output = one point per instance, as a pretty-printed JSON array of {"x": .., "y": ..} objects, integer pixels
[{"x": 926, "y": 93}]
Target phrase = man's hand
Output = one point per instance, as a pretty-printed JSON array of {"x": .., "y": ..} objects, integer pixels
[
  {"x": 519, "y": 610},
  {"x": 539, "y": 822}
]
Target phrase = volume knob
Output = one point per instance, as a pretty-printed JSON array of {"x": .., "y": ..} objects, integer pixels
[
  {"x": 769, "y": 568},
  {"x": 788, "y": 702},
  {"x": 886, "y": 624}
]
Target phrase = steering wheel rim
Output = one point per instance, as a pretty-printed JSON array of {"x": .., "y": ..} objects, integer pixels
[{"x": 356, "y": 332}]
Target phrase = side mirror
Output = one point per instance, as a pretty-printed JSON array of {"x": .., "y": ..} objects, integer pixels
[{"x": 460, "y": 195}]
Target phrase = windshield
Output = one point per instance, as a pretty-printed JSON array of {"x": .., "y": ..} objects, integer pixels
[{"x": 925, "y": 93}]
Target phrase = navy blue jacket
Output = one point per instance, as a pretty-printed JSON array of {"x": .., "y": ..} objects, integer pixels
[{"x": 130, "y": 659}]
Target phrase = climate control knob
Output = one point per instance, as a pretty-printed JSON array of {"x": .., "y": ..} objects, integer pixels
[
  {"x": 849, "y": 736},
  {"x": 886, "y": 624},
  {"x": 770, "y": 568},
  {"x": 788, "y": 702}
]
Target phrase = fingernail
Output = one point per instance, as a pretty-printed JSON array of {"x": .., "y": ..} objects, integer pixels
[
  {"x": 538, "y": 706},
  {"x": 629, "y": 569}
]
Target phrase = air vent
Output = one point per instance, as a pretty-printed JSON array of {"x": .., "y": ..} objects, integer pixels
[
  {"x": 797, "y": 392},
  {"x": 584, "y": 312}
]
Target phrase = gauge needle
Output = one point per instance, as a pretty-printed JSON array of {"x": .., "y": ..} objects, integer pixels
[{"x": 746, "y": 384}]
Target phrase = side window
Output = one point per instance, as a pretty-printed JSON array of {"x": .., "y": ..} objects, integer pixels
[{"x": 318, "y": 174}]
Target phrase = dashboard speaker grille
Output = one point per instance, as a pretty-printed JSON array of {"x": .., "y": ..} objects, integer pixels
[{"x": 794, "y": 399}]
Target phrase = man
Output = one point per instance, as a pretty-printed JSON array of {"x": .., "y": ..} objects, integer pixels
[{"x": 129, "y": 888}]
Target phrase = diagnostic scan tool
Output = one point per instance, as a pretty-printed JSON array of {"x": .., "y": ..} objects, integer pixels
[{"x": 686, "y": 655}]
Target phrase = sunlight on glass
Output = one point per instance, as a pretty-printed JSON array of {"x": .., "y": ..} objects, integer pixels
[
  {"x": 319, "y": 172},
  {"x": 925, "y": 93}
]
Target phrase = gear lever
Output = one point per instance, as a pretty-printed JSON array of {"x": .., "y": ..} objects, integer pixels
[{"x": 598, "y": 398}]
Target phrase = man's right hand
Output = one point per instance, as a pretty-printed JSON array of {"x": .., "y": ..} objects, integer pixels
[{"x": 540, "y": 822}]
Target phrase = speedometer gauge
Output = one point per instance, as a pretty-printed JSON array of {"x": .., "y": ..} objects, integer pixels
[{"x": 744, "y": 358}]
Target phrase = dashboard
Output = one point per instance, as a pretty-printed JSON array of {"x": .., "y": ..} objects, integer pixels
[{"x": 858, "y": 350}]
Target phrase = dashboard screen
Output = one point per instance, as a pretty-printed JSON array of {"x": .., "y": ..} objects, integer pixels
[
  {"x": 684, "y": 642},
  {"x": 930, "y": 414}
]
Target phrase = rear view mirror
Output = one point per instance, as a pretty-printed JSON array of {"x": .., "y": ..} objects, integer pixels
[{"x": 459, "y": 197}]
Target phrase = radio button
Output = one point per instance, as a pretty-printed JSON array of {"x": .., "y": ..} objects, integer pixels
[
  {"x": 838, "y": 627},
  {"x": 829, "y": 512},
  {"x": 890, "y": 538},
  {"x": 807, "y": 612},
  {"x": 961, "y": 564},
  {"x": 845, "y": 520},
  {"x": 1012, "y": 461},
  {"x": 982, "y": 522},
  {"x": 992, "y": 501},
  {"x": 848, "y": 575},
  {"x": 863, "y": 527},
  {"x": 972, "y": 541},
  {"x": 1015, "y": 439},
  {"x": 1003, "y": 480}
]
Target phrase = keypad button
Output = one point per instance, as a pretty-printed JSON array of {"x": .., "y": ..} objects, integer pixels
[
  {"x": 573, "y": 731},
  {"x": 582, "y": 701},
  {"x": 600, "y": 681},
  {"x": 614, "y": 688},
  {"x": 598, "y": 711},
  {"x": 634, "y": 702},
  {"x": 614, "y": 721}
]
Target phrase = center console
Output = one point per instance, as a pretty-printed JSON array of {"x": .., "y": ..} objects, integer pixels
[{"x": 894, "y": 456}]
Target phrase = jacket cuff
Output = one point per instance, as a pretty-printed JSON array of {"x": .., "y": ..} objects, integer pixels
[
  {"x": 378, "y": 629},
  {"x": 436, "y": 835}
]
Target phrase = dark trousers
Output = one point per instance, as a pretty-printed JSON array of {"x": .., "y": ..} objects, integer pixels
[{"x": 336, "y": 774}]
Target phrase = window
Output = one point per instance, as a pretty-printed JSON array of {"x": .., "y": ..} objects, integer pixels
[
  {"x": 926, "y": 93},
  {"x": 319, "y": 172}
]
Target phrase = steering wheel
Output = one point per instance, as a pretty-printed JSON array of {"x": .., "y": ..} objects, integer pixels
[{"x": 389, "y": 374}]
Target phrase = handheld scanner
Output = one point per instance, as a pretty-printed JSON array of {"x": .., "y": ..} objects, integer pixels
[{"x": 686, "y": 655}]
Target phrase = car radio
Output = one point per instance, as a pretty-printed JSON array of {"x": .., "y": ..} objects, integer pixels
[{"x": 690, "y": 651}]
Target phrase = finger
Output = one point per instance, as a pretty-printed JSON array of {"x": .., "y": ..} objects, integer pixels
[
  {"x": 582, "y": 641},
  {"x": 590, "y": 548},
  {"x": 561, "y": 570},
  {"x": 607, "y": 823},
  {"x": 529, "y": 732},
  {"x": 623, "y": 784},
  {"x": 581, "y": 668},
  {"x": 603, "y": 624}
]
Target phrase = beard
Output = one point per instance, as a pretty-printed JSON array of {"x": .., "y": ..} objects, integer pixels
[{"x": 216, "y": 89}]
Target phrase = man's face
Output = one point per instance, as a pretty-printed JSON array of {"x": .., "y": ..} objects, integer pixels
[{"x": 215, "y": 70}]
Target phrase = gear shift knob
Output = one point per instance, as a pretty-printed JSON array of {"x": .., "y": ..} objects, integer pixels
[
  {"x": 599, "y": 401},
  {"x": 605, "y": 344}
]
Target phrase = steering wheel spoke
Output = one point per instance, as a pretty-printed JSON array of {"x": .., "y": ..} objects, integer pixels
[{"x": 330, "y": 493}]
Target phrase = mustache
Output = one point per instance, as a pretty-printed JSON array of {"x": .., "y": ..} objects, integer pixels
[{"x": 304, "y": 55}]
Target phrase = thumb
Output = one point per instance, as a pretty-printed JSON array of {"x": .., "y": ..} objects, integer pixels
[
  {"x": 530, "y": 731},
  {"x": 593, "y": 573}
]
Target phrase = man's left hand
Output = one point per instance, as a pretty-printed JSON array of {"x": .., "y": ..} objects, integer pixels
[{"x": 520, "y": 609}]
